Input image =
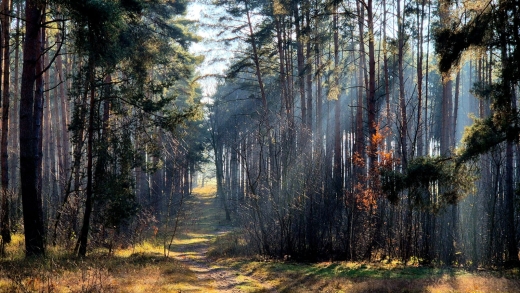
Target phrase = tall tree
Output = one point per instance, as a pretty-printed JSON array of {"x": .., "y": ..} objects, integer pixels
[
  {"x": 4, "y": 157},
  {"x": 403, "y": 133},
  {"x": 29, "y": 133}
]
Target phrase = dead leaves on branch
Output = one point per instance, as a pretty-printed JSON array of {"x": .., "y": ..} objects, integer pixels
[{"x": 429, "y": 183}]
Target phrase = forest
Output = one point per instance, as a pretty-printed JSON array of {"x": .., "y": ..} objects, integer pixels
[
  {"x": 369, "y": 130},
  {"x": 355, "y": 130}
]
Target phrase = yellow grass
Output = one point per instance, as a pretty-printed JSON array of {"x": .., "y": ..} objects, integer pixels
[
  {"x": 209, "y": 190},
  {"x": 139, "y": 269},
  {"x": 144, "y": 268}
]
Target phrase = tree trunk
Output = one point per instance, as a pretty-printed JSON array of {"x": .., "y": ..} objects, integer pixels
[
  {"x": 29, "y": 135},
  {"x": 308, "y": 76},
  {"x": 83, "y": 236},
  {"x": 337, "y": 111},
  {"x": 403, "y": 135},
  {"x": 386, "y": 78},
  {"x": 420, "y": 123},
  {"x": 4, "y": 157},
  {"x": 15, "y": 113},
  {"x": 511, "y": 244},
  {"x": 371, "y": 98},
  {"x": 256, "y": 60},
  {"x": 300, "y": 58},
  {"x": 446, "y": 93},
  {"x": 319, "y": 103},
  {"x": 362, "y": 79}
]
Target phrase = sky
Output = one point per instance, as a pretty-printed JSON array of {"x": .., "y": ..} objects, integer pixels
[{"x": 209, "y": 47}]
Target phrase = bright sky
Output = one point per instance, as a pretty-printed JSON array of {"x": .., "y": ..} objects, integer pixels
[{"x": 208, "y": 46}]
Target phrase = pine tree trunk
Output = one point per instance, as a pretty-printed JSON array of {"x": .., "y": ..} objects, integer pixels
[
  {"x": 83, "y": 236},
  {"x": 308, "y": 76},
  {"x": 29, "y": 135},
  {"x": 511, "y": 244},
  {"x": 371, "y": 98},
  {"x": 362, "y": 79},
  {"x": 4, "y": 156},
  {"x": 403, "y": 135},
  {"x": 446, "y": 93},
  {"x": 420, "y": 123},
  {"x": 337, "y": 111},
  {"x": 300, "y": 58},
  {"x": 15, "y": 113}
]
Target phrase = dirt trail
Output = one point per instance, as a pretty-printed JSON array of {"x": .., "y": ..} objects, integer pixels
[{"x": 202, "y": 223}]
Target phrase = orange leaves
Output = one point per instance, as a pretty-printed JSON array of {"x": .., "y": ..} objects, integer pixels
[
  {"x": 358, "y": 160},
  {"x": 368, "y": 189},
  {"x": 365, "y": 198},
  {"x": 387, "y": 160}
]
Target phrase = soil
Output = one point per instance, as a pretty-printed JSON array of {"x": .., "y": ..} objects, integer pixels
[{"x": 204, "y": 221}]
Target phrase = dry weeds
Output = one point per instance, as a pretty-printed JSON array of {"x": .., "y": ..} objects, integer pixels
[{"x": 208, "y": 256}]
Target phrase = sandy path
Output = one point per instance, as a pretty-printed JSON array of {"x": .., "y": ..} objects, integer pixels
[{"x": 203, "y": 223}]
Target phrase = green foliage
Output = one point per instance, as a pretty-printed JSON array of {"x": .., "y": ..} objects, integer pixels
[
  {"x": 487, "y": 133},
  {"x": 431, "y": 182},
  {"x": 136, "y": 64},
  {"x": 135, "y": 6},
  {"x": 114, "y": 195},
  {"x": 392, "y": 183},
  {"x": 504, "y": 116},
  {"x": 479, "y": 138},
  {"x": 452, "y": 40},
  {"x": 117, "y": 201},
  {"x": 238, "y": 66},
  {"x": 493, "y": 28}
]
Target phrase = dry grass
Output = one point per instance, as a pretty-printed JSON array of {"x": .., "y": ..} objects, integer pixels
[
  {"x": 209, "y": 190},
  {"x": 144, "y": 268},
  {"x": 139, "y": 269}
]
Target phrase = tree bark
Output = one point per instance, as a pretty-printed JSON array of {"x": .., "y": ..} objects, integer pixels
[
  {"x": 29, "y": 135},
  {"x": 371, "y": 98},
  {"x": 83, "y": 236},
  {"x": 420, "y": 123},
  {"x": 4, "y": 157},
  {"x": 338, "y": 179},
  {"x": 403, "y": 135},
  {"x": 446, "y": 92},
  {"x": 300, "y": 58}
]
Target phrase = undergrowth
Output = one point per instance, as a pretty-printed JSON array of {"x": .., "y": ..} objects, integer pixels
[
  {"x": 144, "y": 268},
  {"x": 230, "y": 245},
  {"x": 231, "y": 251}
]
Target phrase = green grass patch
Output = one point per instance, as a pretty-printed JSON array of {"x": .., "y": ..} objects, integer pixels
[
  {"x": 350, "y": 270},
  {"x": 370, "y": 277}
]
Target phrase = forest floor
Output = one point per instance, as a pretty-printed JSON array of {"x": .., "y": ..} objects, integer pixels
[
  {"x": 208, "y": 254},
  {"x": 203, "y": 226}
]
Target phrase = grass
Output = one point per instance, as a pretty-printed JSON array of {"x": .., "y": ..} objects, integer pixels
[
  {"x": 141, "y": 269},
  {"x": 144, "y": 268},
  {"x": 371, "y": 277}
]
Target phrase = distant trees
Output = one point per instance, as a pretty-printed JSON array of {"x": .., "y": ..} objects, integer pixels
[
  {"x": 492, "y": 28},
  {"x": 355, "y": 156}
]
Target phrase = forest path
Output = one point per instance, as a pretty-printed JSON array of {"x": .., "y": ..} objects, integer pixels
[{"x": 201, "y": 223}]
